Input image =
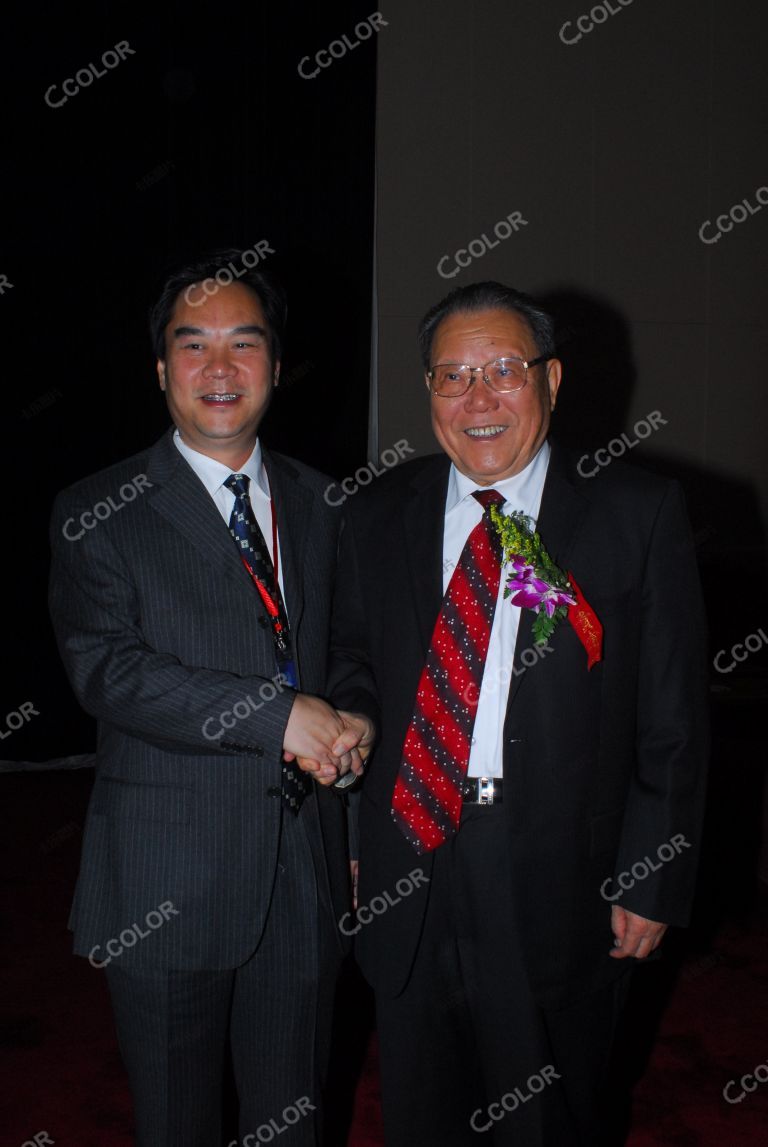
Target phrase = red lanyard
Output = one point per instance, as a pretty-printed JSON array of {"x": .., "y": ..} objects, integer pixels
[{"x": 271, "y": 603}]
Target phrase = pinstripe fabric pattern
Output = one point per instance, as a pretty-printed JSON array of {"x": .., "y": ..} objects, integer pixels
[
  {"x": 164, "y": 644},
  {"x": 273, "y": 1003},
  {"x": 273, "y": 1040}
]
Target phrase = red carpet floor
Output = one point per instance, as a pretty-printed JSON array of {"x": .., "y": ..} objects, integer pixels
[{"x": 697, "y": 1019}]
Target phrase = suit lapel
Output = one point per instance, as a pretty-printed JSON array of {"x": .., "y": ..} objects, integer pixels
[
  {"x": 184, "y": 501},
  {"x": 562, "y": 510},
  {"x": 560, "y": 517},
  {"x": 181, "y": 498},
  {"x": 423, "y": 519},
  {"x": 293, "y": 506}
]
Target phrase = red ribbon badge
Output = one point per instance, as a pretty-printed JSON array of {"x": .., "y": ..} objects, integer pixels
[{"x": 584, "y": 621}]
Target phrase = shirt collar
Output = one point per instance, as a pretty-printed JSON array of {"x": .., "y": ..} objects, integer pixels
[
  {"x": 522, "y": 491},
  {"x": 213, "y": 474}
]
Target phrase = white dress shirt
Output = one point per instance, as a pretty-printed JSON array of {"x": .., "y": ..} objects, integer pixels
[
  {"x": 213, "y": 474},
  {"x": 462, "y": 513}
]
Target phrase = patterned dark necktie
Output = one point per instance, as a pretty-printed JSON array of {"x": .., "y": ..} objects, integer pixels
[
  {"x": 255, "y": 556},
  {"x": 426, "y": 804}
]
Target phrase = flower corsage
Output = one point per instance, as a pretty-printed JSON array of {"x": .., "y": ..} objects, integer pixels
[{"x": 535, "y": 582}]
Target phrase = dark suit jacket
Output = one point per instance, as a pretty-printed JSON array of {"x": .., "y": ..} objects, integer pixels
[
  {"x": 161, "y": 633},
  {"x": 600, "y": 767}
]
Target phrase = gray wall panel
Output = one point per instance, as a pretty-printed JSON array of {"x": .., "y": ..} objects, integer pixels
[{"x": 615, "y": 150}]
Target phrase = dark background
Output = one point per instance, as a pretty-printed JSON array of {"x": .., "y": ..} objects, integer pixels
[{"x": 206, "y": 137}]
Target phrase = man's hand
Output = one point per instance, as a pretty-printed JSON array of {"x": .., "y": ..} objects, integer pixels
[
  {"x": 348, "y": 752},
  {"x": 354, "y": 745},
  {"x": 313, "y": 728},
  {"x": 635, "y": 936}
]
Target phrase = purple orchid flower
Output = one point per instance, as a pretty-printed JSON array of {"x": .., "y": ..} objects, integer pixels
[
  {"x": 522, "y": 568},
  {"x": 530, "y": 592}
]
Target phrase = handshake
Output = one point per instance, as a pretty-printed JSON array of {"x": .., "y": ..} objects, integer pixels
[{"x": 332, "y": 746}]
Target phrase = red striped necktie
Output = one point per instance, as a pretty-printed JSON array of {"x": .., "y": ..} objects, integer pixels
[{"x": 426, "y": 804}]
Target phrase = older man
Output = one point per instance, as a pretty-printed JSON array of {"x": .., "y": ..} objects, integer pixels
[
  {"x": 539, "y": 781},
  {"x": 190, "y": 592}
]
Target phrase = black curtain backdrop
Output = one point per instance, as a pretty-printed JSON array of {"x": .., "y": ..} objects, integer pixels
[{"x": 202, "y": 135}]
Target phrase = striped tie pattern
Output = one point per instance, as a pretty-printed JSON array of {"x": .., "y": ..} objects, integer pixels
[
  {"x": 426, "y": 804},
  {"x": 295, "y": 784}
]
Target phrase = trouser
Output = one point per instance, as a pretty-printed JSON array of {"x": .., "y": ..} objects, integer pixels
[
  {"x": 467, "y": 1055},
  {"x": 273, "y": 1014}
]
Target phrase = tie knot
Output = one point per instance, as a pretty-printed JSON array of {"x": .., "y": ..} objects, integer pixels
[
  {"x": 238, "y": 484},
  {"x": 488, "y": 498}
]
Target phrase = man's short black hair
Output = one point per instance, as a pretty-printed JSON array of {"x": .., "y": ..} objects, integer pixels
[
  {"x": 484, "y": 297},
  {"x": 269, "y": 293}
]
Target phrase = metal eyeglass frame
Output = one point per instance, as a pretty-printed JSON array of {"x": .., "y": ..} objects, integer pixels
[{"x": 465, "y": 366}]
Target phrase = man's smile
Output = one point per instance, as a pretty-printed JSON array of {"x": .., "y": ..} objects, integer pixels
[
  {"x": 217, "y": 399},
  {"x": 484, "y": 431}
]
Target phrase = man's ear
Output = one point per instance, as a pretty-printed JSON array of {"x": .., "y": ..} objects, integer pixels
[
  {"x": 554, "y": 378},
  {"x": 161, "y": 373}
]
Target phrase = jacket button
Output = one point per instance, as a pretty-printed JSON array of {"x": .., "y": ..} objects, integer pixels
[
  {"x": 263, "y": 622},
  {"x": 258, "y": 751},
  {"x": 273, "y": 791}
]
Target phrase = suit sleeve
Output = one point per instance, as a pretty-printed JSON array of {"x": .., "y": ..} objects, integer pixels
[
  {"x": 665, "y": 807},
  {"x": 120, "y": 679},
  {"x": 351, "y": 684}
]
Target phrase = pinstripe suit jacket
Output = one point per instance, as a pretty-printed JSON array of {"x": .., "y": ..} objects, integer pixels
[{"x": 166, "y": 646}]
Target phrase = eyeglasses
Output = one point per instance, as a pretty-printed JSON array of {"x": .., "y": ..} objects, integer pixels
[{"x": 452, "y": 379}]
